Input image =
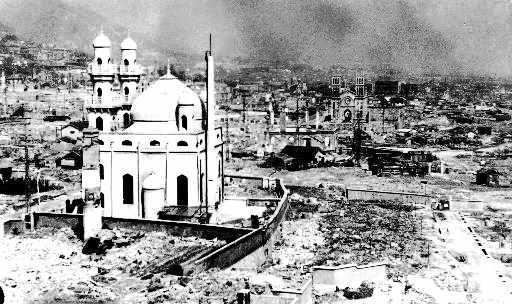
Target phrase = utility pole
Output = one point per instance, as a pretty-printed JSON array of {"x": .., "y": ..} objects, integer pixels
[
  {"x": 27, "y": 179},
  {"x": 244, "y": 108},
  {"x": 356, "y": 145},
  {"x": 297, "y": 122},
  {"x": 227, "y": 138}
]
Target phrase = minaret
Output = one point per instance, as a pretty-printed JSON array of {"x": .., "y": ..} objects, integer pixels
[
  {"x": 102, "y": 70},
  {"x": 102, "y": 73},
  {"x": 211, "y": 155},
  {"x": 129, "y": 71}
]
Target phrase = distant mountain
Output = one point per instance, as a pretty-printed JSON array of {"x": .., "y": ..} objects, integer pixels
[
  {"x": 63, "y": 24},
  {"x": 4, "y": 30}
]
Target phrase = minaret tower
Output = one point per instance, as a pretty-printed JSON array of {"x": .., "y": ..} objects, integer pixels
[
  {"x": 129, "y": 71},
  {"x": 102, "y": 72},
  {"x": 214, "y": 195}
]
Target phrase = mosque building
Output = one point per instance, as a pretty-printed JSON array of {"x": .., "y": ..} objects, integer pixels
[{"x": 170, "y": 154}]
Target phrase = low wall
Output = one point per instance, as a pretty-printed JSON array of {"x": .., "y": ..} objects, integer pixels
[
  {"x": 304, "y": 295},
  {"x": 178, "y": 228},
  {"x": 267, "y": 299},
  {"x": 13, "y": 226},
  {"x": 362, "y": 194},
  {"x": 467, "y": 205},
  {"x": 57, "y": 220},
  {"x": 245, "y": 245},
  {"x": 350, "y": 275}
]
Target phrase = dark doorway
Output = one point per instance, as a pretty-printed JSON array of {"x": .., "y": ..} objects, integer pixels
[
  {"x": 182, "y": 187},
  {"x": 99, "y": 123},
  {"x": 127, "y": 189},
  {"x": 184, "y": 123},
  {"x": 102, "y": 200},
  {"x": 126, "y": 120}
]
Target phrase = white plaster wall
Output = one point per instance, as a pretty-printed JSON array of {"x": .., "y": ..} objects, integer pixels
[
  {"x": 132, "y": 87},
  {"x": 125, "y": 163},
  {"x": 105, "y": 184},
  {"x": 189, "y": 161},
  {"x": 131, "y": 55},
  {"x": 103, "y": 53},
  {"x": 153, "y": 202},
  {"x": 106, "y": 96}
]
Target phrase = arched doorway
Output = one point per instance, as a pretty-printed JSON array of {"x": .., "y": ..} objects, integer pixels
[
  {"x": 100, "y": 92},
  {"x": 182, "y": 188},
  {"x": 99, "y": 123},
  {"x": 126, "y": 91},
  {"x": 126, "y": 120}
]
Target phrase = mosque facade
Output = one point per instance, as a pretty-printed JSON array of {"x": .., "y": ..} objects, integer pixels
[{"x": 170, "y": 154}]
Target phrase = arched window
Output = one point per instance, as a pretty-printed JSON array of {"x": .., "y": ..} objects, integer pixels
[
  {"x": 126, "y": 120},
  {"x": 182, "y": 188},
  {"x": 102, "y": 200},
  {"x": 100, "y": 92},
  {"x": 99, "y": 61},
  {"x": 184, "y": 122},
  {"x": 126, "y": 62},
  {"x": 182, "y": 143},
  {"x": 102, "y": 172},
  {"x": 126, "y": 91},
  {"x": 127, "y": 189},
  {"x": 99, "y": 123},
  {"x": 126, "y": 143},
  {"x": 154, "y": 143}
]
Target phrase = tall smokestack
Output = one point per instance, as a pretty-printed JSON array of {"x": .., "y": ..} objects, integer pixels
[{"x": 211, "y": 138}]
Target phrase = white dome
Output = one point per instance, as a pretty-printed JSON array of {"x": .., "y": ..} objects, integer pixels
[
  {"x": 159, "y": 102},
  {"x": 128, "y": 44},
  {"x": 101, "y": 41},
  {"x": 153, "y": 182}
]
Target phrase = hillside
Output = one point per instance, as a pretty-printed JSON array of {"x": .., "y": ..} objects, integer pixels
[{"x": 62, "y": 24}]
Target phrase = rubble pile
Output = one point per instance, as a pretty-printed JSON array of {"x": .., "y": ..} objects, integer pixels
[
  {"x": 48, "y": 266},
  {"x": 144, "y": 254},
  {"x": 367, "y": 232}
]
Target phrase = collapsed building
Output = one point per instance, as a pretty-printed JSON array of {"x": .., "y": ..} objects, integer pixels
[{"x": 394, "y": 160}]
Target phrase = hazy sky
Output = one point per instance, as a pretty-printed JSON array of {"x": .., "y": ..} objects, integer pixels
[{"x": 410, "y": 35}]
